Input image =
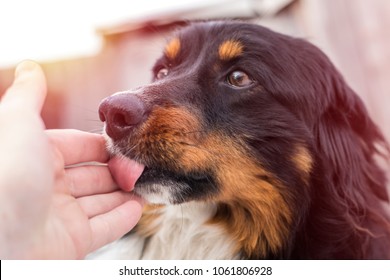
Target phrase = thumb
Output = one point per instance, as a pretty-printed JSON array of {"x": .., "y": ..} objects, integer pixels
[{"x": 28, "y": 91}]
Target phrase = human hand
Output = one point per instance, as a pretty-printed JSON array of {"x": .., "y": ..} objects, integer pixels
[{"x": 48, "y": 211}]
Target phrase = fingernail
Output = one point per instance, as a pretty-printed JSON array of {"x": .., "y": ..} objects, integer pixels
[{"x": 25, "y": 67}]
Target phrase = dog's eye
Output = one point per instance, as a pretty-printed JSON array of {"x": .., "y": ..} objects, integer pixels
[
  {"x": 162, "y": 73},
  {"x": 239, "y": 79}
]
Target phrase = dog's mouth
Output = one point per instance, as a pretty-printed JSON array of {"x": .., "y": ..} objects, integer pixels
[{"x": 159, "y": 185}]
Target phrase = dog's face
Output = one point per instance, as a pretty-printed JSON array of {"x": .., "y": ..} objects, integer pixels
[
  {"x": 242, "y": 116},
  {"x": 211, "y": 126}
]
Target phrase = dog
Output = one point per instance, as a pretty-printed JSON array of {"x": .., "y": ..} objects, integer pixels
[{"x": 248, "y": 144}]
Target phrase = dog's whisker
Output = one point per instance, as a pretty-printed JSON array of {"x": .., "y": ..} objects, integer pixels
[
  {"x": 96, "y": 130},
  {"x": 193, "y": 132}
]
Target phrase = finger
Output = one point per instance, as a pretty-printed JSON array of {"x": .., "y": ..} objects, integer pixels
[
  {"x": 102, "y": 203},
  {"x": 89, "y": 180},
  {"x": 28, "y": 90},
  {"x": 109, "y": 227},
  {"x": 79, "y": 146}
]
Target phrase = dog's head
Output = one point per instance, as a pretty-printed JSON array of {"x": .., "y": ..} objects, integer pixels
[{"x": 249, "y": 119}]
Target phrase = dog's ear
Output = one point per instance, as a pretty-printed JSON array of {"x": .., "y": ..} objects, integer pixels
[{"x": 350, "y": 142}]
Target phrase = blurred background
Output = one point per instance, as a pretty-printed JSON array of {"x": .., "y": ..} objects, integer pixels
[{"x": 91, "y": 49}]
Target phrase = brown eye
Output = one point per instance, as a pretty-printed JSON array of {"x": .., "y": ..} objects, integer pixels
[
  {"x": 162, "y": 73},
  {"x": 239, "y": 79}
]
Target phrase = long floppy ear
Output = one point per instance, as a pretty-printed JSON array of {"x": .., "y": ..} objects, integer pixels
[
  {"x": 349, "y": 215},
  {"x": 350, "y": 142}
]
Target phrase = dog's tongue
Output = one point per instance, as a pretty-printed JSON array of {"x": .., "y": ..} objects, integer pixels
[{"x": 125, "y": 172}]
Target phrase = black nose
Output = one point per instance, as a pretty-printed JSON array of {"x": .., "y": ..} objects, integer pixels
[{"x": 121, "y": 112}]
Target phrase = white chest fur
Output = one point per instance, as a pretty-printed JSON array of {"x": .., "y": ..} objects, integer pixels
[{"x": 183, "y": 234}]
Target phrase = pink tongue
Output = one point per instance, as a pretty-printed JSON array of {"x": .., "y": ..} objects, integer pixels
[{"x": 125, "y": 172}]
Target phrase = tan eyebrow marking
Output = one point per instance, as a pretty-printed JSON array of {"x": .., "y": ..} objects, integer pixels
[
  {"x": 173, "y": 48},
  {"x": 230, "y": 49}
]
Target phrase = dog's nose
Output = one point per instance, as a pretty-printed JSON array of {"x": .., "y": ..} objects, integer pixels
[{"x": 121, "y": 112}]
